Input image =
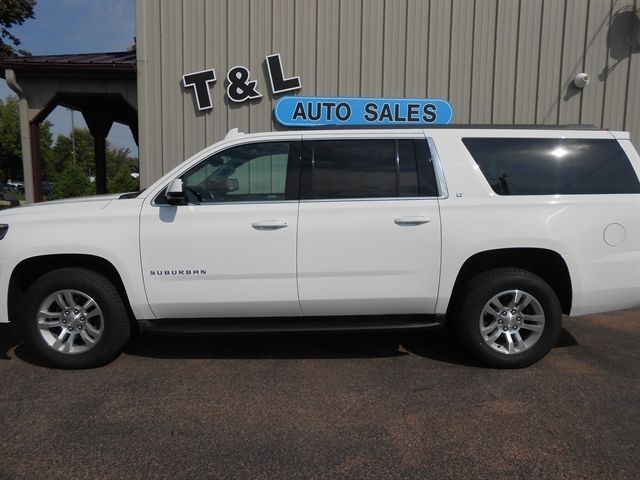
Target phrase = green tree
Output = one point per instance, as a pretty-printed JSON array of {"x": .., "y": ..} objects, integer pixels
[
  {"x": 63, "y": 150},
  {"x": 71, "y": 182},
  {"x": 116, "y": 157},
  {"x": 122, "y": 181},
  {"x": 10, "y": 142},
  {"x": 120, "y": 165},
  {"x": 13, "y": 12},
  {"x": 70, "y": 174},
  {"x": 57, "y": 169},
  {"x": 10, "y": 146}
]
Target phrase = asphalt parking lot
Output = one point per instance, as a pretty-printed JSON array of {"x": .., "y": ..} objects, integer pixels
[{"x": 341, "y": 406}]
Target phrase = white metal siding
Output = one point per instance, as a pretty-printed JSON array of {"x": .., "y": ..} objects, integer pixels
[{"x": 496, "y": 61}]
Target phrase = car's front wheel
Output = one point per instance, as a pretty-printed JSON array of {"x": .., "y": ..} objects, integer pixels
[
  {"x": 75, "y": 318},
  {"x": 509, "y": 318}
]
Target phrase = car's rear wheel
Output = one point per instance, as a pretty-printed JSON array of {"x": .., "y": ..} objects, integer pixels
[
  {"x": 509, "y": 318},
  {"x": 75, "y": 318}
]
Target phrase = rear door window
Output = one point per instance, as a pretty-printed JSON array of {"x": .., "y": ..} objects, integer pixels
[
  {"x": 371, "y": 168},
  {"x": 553, "y": 166}
]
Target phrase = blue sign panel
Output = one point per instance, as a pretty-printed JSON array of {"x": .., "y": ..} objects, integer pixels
[{"x": 355, "y": 111}]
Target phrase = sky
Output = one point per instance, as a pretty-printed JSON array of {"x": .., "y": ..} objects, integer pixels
[{"x": 78, "y": 26}]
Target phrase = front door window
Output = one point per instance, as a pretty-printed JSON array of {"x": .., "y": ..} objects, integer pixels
[{"x": 247, "y": 173}]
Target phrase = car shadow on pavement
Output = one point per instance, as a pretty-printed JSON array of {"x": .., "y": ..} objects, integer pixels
[
  {"x": 435, "y": 345},
  {"x": 9, "y": 338},
  {"x": 272, "y": 346},
  {"x": 438, "y": 345},
  {"x": 566, "y": 340},
  {"x": 441, "y": 345}
]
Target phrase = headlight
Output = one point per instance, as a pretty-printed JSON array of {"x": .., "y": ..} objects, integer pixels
[{"x": 4, "y": 228}]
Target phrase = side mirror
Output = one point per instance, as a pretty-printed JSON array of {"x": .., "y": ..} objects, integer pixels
[
  {"x": 175, "y": 192},
  {"x": 232, "y": 185}
]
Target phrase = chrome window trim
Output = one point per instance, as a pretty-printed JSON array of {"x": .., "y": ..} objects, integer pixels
[
  {"x": 366, "y": 199},
  {"x": 443, "y": 192},
  {"x": 154, "y": 204},
  {"x": 435, "y": 160},
  {"x": 316, "y": 200}
]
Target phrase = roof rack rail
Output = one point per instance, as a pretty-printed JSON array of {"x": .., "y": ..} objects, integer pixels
[{"x": 509, "y": 126}]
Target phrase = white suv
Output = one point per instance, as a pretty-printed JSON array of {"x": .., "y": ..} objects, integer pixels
[{"x": 495, "y": 232}]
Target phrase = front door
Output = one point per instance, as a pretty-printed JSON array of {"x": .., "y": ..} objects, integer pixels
[{"x": 230, "y": 250}]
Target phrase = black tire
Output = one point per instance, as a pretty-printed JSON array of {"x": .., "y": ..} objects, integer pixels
[
  {"x": 111, "y": 320},
  {"x": 471, "y": 314}
]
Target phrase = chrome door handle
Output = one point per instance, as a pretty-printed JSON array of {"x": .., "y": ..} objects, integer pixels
[
  {"x": 269, "y": 224},
  {"x": 407, "y": 221}
]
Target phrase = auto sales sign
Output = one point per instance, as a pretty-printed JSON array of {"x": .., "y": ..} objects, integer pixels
[{"x": 294, "y": 111}]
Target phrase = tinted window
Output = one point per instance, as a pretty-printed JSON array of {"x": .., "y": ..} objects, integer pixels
[
  {"x": 547, "y": 166},
  {"x": 416, "y": 153},
  {"x": 407, "y": 178},
  {"x": 252, "y": 172},
  {"x": 354, "y": 169},
  {"x": 367, "y": 169}
]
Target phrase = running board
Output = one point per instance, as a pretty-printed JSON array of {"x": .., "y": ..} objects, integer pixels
[{"x": 373, "y": 323}]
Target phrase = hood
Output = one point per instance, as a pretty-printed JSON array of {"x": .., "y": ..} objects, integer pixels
[
  {"x": 95, "y": 202},
  {"x": 90, "y": 198}
]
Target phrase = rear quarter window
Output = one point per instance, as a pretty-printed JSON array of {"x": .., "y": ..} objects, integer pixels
[{"x": 553, "y": 166}]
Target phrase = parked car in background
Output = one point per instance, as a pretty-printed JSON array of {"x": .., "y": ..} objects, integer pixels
[
  {"x": 8, "y": 197},
  {"x": 15, "y": 186}
]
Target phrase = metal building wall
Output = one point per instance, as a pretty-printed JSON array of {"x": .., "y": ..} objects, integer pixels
[{"x": 496, "y": 61}]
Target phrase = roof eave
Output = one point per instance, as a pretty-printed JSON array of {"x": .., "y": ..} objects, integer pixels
[{"x": 66, "y": 67}]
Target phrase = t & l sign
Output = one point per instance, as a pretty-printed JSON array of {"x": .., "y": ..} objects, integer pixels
[{"x": 240, "y": 87}]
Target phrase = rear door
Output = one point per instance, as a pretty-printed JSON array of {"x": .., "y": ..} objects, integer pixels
[{"x": 368, "y": 227}]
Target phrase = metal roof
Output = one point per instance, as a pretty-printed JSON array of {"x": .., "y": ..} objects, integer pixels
[{"x": 113, "y": 62}]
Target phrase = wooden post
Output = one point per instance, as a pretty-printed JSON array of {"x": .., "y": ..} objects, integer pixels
[
  {"x": 99, "y": 127},
  {"x": 100, "y": 145},
  {"x": 36, "y": 161}
]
